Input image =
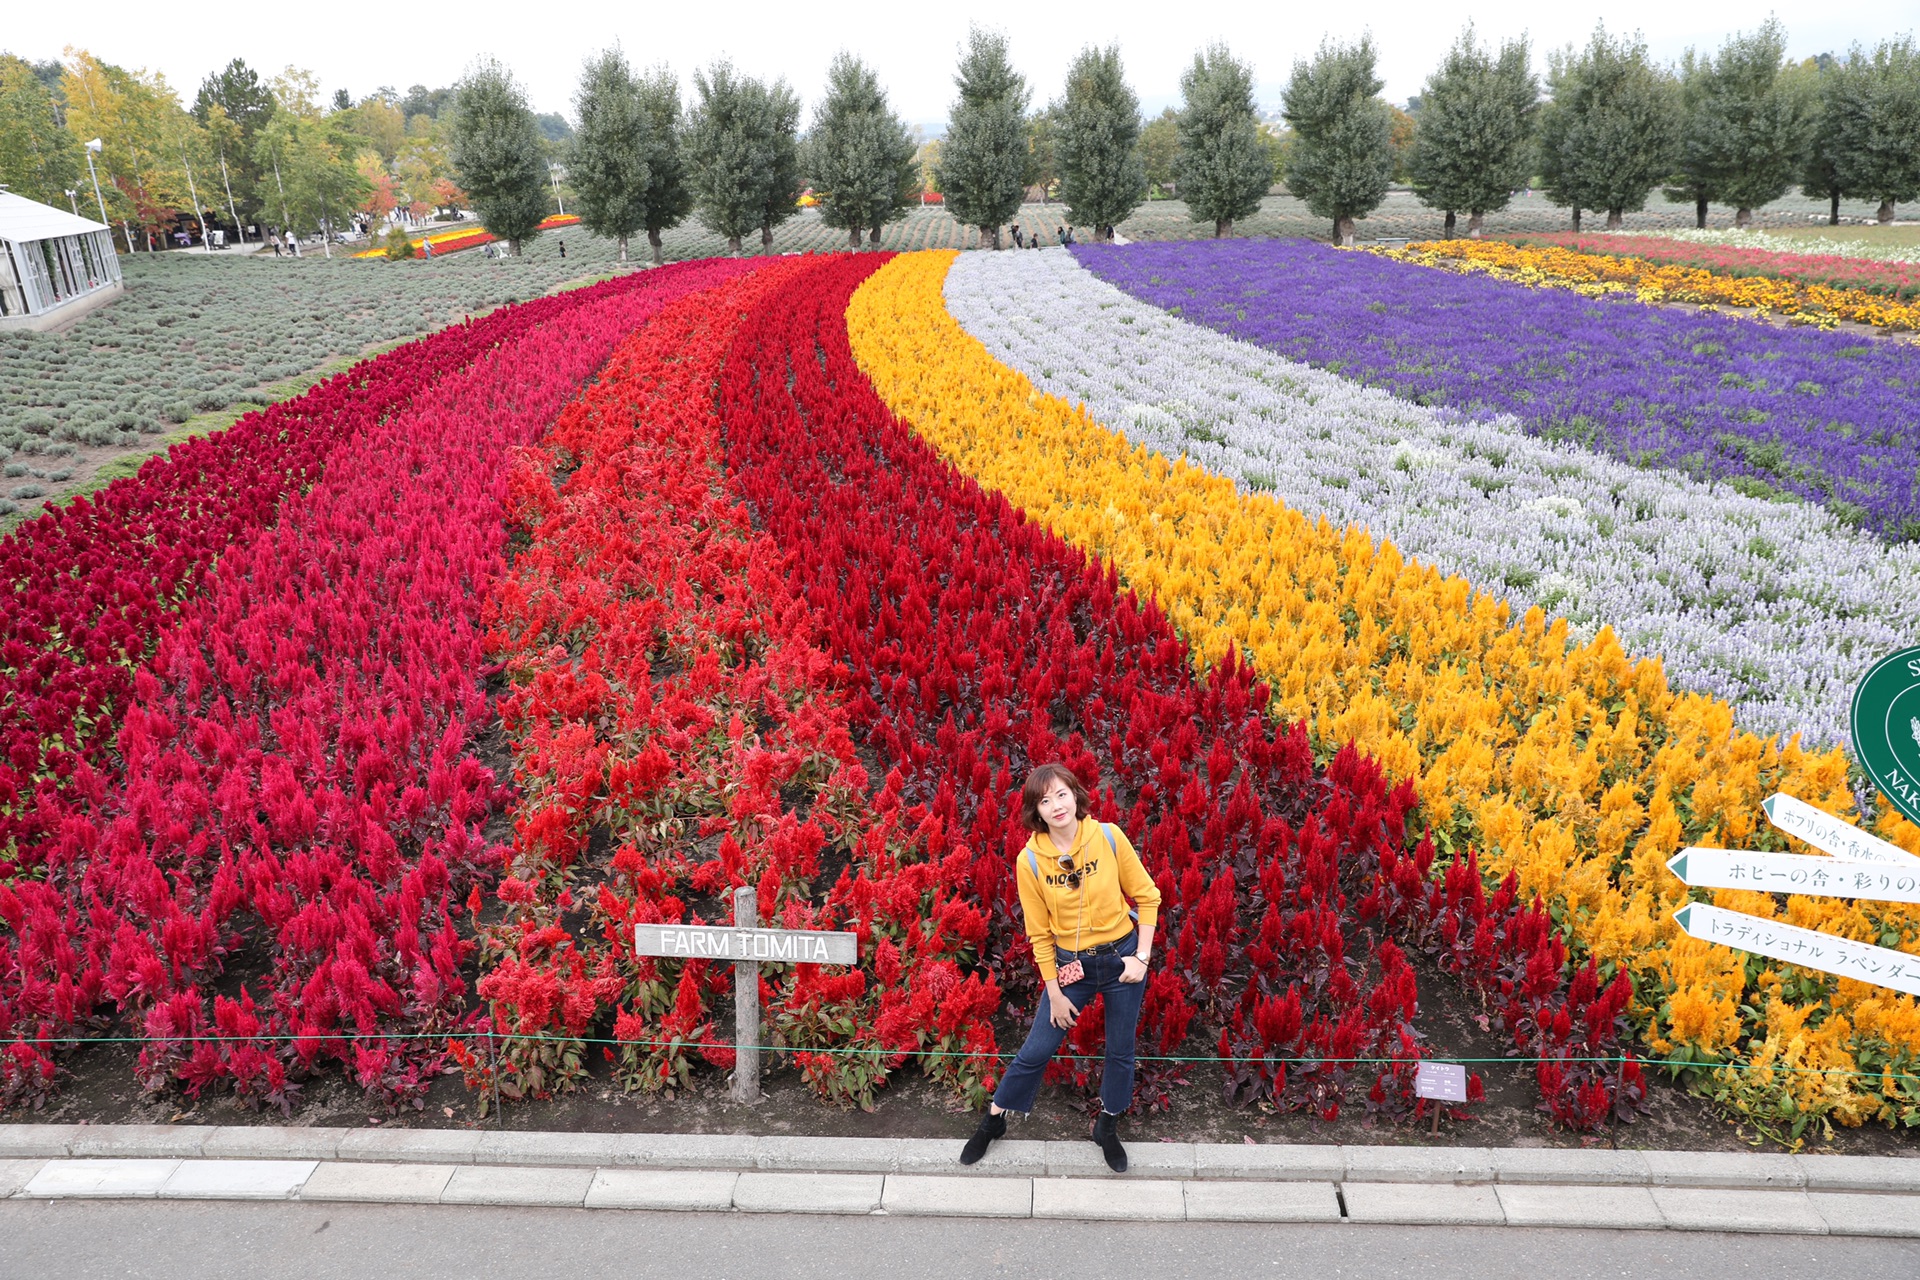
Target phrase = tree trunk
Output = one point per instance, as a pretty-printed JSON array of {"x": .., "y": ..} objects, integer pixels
[
  {"x": 653, "y": 238},
  {"x": 1449, "y": 224},
  {"x": 1615, "y": 219},
  {"x": 873, "y": 235},
  {"x": 1576, "y": 219},
  {"x": 623, "y": 248},
  {"x": 1473, "y": 224},
  {"x": 996, "y": 237},
  {"x": 853, "y": 237},
  {"x": 513, "y": 247},
  {"x": 766, "y": 238},
  {"x": 733, "y": 245},
  {"x": 1886, "y": 212},
  {"x": 1700, "y": 213},
  {"x": 1743, "y": 218},
  {"x": 1222, "y": 228},
  {"x": 1343, "y": 231},
  {"x": 1833, "y": 214}
]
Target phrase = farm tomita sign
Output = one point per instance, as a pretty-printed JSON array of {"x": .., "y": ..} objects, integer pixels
[{"x": 718, "y": 942}]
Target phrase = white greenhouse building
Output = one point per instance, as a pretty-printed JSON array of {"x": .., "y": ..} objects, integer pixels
[{"x": 53, "y": 265}]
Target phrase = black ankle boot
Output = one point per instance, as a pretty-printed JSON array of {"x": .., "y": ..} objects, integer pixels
[
  {"x": 1106, "y": 1135},
  {"x": 991, "y": 1127}
]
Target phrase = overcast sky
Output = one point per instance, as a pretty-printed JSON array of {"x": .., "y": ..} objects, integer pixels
[{"x": 913, "y": 45}]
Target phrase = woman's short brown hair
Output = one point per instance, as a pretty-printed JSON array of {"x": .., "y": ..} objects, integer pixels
[{"x": 1039, "y": 782}]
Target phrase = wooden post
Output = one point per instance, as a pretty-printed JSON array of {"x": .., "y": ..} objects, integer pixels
[{"x": 746, "y": 1004}]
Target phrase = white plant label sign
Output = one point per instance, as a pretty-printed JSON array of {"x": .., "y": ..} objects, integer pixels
[
  {"x": 1796, "y": 873},
  {"x": 1882, "y": 966},
  {"x": 1831, "y": 835},
  {"x": 1862, "y": 866}
]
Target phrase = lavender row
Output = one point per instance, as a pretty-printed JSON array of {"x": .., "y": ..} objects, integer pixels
[
  {"x": 1774, "y": 608},
  {"x": 1830, "y": 417}
]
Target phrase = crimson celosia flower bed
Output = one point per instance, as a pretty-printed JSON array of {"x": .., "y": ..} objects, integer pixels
[
  {"x": 293, "y": 772},
  {"x": 1870, "y": 275}
]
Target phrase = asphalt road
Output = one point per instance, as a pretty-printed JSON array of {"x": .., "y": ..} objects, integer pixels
[{"x": 74, "y": 1239}]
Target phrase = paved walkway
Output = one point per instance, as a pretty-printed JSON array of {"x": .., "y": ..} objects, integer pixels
[
  {"x": 153, "y": 1240},
  {"x": 1059, "y": 1181}
]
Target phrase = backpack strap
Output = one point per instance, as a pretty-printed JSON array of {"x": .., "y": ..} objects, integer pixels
[
  {"x": 1033, "y": 865},
  {"x": 1133, "y": 913}
]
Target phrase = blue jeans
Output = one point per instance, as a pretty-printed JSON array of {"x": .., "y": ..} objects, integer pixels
[{"x": 1021, "y": 1084}]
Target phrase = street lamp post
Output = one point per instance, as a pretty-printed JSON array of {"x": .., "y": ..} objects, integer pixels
[
  {"x": 73, "y": 198},
  {"x": 553, "y": 172}
]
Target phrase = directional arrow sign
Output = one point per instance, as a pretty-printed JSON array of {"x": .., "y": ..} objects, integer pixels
[
  {"x": 1830, "y": 834},
  {"x": 1796, "y": 873},
  {"x": 1879, "y": 965}
]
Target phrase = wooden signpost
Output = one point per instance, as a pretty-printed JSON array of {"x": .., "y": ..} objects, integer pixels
[
  {"x": 1831, "y": 835},
  {"x": 1863, "y": 866},
  {"x": 1797, "y": 873},
  {"x": 746, "y": 945},
  {"x": 1882, "y": 966}
]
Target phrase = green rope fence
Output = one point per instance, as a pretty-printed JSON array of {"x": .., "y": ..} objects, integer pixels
[{"x": 496, "y": 1038}]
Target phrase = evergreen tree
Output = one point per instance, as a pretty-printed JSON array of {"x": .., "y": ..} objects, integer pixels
[
  {"x": 497, "y": 156},
  {"x": 1473, "y": 145},
  {"x": 1608, "y": 137},
  {"x": 1877, "y": 138},
  {"x": 1342, "y": 160},
  {"x": 1043, "y": 151},
  {"x": 983, "y": 162},
  {"x": 861, "y": 154},
  {"x": 668, "y": 198},
  {"x": 1820, "y": 166},
  {"x": 1159, "y": 147},
  {"x": 1693, "y": 176},
  {"x": 1745, "y": 130},
  {"x": 1223, "y": 167},
  {"x": 608, "y": 168},
  {"x": 742, "y": 153},
  {"x": 1102, "y": 178},
  {"x": 778, "y": 109}
]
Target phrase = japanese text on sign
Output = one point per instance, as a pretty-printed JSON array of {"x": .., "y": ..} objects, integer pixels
[
  {"x": 1881, "y": 966},
  {"x": 1796, "y": 873}
]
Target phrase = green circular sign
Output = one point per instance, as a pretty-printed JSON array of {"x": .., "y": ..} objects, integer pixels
[{"x": 1886, "y": 728}]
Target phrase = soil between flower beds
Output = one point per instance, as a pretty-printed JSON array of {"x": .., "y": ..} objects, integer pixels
[{"x": 102, "y": 1090}]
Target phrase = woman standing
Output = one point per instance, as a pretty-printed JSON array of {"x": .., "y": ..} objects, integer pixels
[{"x": 1076, "y": 878}]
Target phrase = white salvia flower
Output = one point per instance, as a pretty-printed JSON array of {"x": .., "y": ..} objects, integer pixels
[{"x": 1775, "y": 607}]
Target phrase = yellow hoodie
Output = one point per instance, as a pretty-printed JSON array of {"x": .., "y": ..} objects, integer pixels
[{"x": 1060, "y": 917}]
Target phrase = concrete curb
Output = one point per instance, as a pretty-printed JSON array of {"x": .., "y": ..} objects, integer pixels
[
  {"x": 1158, "y": 1161},
  {"x": 1718, "y": 1209}
]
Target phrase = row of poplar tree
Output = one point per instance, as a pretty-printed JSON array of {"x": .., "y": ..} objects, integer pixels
[
  {"x": 1740, "y": 127},
  {"x": 734, "y": 157}
]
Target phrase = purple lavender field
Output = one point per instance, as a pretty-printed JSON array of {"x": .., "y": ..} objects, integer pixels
[{"x": 1831, "y": 417}]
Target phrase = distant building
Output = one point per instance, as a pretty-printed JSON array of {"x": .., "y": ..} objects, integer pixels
[{"x": 53, "y": 265}]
